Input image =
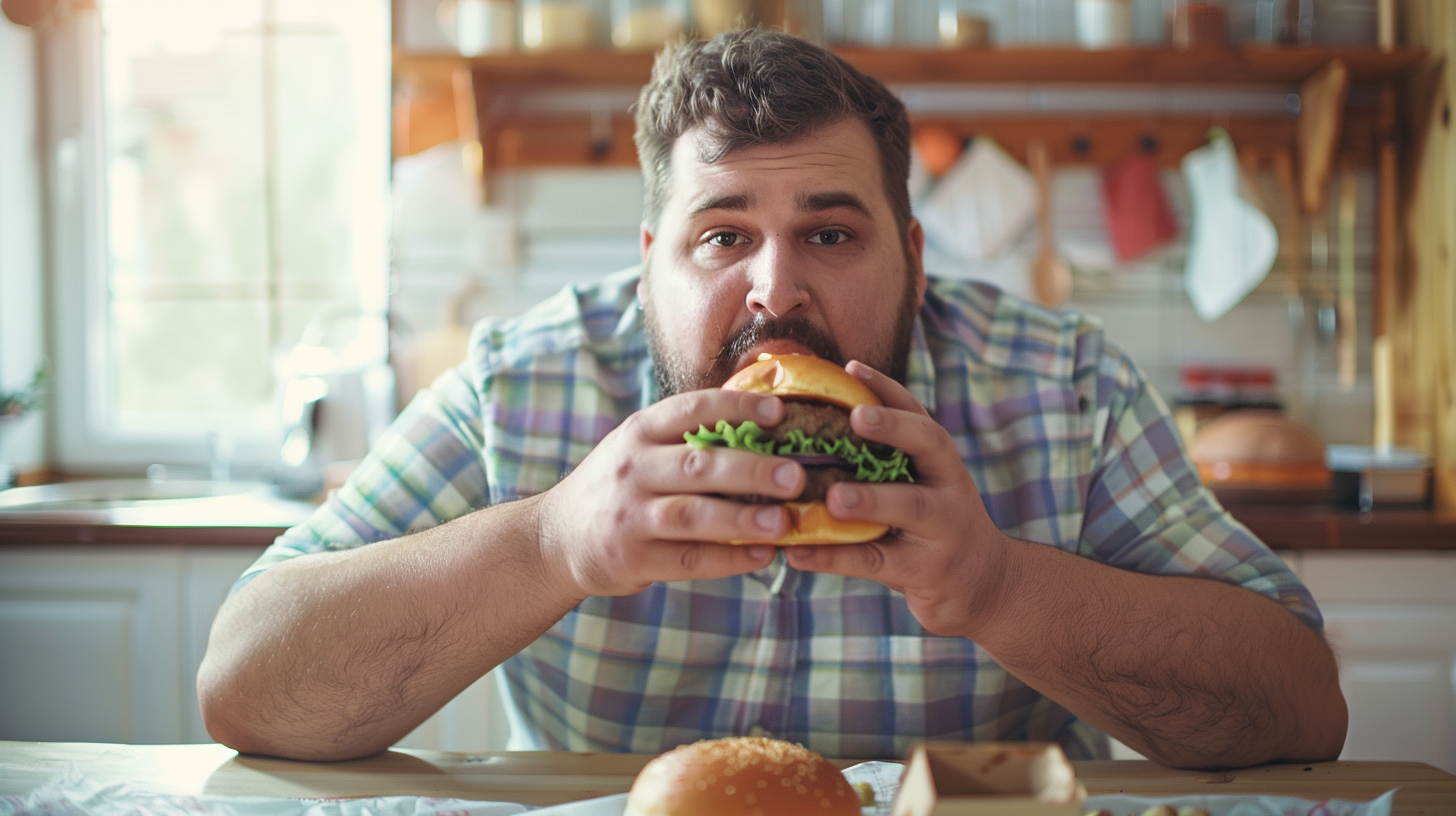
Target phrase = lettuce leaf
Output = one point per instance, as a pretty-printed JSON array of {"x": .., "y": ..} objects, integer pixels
[{"x": 868, "y": 466}]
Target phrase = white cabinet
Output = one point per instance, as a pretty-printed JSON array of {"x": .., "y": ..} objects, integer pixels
[
  {"x": 1391, "y": 618},
  {"x": 102, "y": 644},
  {"x": 89, "y": 639}
]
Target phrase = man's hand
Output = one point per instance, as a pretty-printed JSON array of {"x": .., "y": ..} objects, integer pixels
[
  {"x": 943, "y": 552},
  {"x": 636, "y": 510},
  {"x": 1189, "y": 671}
]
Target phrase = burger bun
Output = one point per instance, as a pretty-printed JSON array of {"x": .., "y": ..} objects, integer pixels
[
  {"x": 741, "y": 776},
  {"x": 802, "y": 376}
]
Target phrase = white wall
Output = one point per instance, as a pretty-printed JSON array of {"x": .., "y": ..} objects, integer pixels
[{"x": 22, "y": 330}]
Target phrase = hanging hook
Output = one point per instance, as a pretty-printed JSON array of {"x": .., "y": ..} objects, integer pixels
[{"x": 601, "y": 133}]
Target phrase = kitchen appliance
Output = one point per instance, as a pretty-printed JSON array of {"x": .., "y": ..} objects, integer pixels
[
  {"x": 1369, "y": 477},
  {"x": 1255, "y": 455}
]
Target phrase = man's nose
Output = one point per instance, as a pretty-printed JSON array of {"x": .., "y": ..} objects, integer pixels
[{"x": 776, "y": 285}]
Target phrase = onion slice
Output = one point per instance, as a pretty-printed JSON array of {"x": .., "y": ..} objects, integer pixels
[{"x": 817, "y": 459}]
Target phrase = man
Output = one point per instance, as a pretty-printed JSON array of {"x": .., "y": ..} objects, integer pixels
[{"x": 537, "y": 508}]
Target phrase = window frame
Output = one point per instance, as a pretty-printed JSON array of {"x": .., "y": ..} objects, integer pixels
[{"x": 87, "y": 433}]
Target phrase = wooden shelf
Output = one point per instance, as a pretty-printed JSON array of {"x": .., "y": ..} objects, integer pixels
[
  {"x": 433, "y": 91},
  {"x": 1138, "y": 66}
]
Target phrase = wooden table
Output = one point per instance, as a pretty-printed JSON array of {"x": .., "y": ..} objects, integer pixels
[{"x": 548, "y": 777}]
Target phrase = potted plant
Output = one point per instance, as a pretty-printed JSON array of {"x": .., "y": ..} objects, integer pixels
[{"x": 14, "y": 405}]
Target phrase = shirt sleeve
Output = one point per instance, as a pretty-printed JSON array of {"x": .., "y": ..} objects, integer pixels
[
  {"x": 425, "y": 469},
  {"x": 1148, "y": 511}
]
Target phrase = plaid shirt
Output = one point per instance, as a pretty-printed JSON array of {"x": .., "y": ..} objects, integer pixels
[{"x": 1069, "y": 446}]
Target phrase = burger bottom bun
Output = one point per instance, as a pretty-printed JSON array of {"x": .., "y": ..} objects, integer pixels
[
  {"x": 741, "y": 776},
  {"x": 810, "y": 523}
]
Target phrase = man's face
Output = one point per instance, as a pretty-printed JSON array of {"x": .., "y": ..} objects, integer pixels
[{"x": 778, "y": 248}]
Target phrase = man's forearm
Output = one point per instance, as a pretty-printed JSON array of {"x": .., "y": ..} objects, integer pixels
[
  {"x": 1190, "y": 672},
  {"x": 338, "y": 655}
]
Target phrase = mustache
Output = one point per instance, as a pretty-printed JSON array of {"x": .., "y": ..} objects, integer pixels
[{"x": 761, "y": 329}]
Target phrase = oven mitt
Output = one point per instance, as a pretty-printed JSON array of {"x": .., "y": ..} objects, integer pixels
[
  {"x": 982, "y": 204},
  {"x": 1232, "y": 244},
  {"x": 1135, "y": 208}
]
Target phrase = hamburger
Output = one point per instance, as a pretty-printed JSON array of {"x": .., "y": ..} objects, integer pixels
[
  {"x": 741, "y": 776},
  {"x": 815, "y": 432}
]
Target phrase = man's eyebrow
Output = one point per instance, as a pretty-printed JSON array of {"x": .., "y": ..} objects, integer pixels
[
  {"x": 734, "y": 201},
  {"x": 816, "y": 202}
]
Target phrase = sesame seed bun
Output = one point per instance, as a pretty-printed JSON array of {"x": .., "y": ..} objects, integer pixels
[
  {"x": 803, "y": 376},
  {"x": 741, "y": 776}
]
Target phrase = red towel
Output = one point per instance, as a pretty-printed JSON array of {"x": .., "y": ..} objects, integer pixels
[{"x": 1138, "y": 215}]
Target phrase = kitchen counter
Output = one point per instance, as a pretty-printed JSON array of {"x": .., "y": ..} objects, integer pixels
[
  {"x": 1281, "y": 526},
  {"x": 551, "y": 777},
  {"x": 133, "y": 512},
  {"x": 1324, "y": 527}
]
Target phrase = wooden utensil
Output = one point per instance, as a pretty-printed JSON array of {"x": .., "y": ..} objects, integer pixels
[
  {"x": 1051, "y": 280},
  {"x": 1321, "y": 107},
  {"x": 1346, "y": 323},
  {"x": 1291, "y": 242},
  {"x": 1387, "y": 242}
]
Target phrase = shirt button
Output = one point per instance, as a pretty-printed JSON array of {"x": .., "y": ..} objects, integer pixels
[{"x": 758, "y": 731}]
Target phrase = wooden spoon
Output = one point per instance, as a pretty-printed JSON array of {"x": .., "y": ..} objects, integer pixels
[{"x": 1051, "y": 280}]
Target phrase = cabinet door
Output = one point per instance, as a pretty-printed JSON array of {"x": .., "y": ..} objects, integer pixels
[
  {"x": 1391, "y": 618},
  {"x": 90, "y": 639}
]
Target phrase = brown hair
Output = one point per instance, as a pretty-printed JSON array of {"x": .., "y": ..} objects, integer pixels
[{"x": 762, "y": 87}]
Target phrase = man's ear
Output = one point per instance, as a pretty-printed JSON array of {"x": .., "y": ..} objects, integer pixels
[
  {"x": 645, "y": 244},
  {"x": 915, "y": 244}
]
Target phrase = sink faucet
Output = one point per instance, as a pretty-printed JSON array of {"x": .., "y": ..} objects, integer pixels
[{"x": 301, "y": 395}]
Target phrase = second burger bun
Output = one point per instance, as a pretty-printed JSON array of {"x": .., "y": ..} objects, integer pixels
[
  {"x": 810, "y": 523},
  {"x": 802, "y": 376},
  {"x": 741, "y": 776}
]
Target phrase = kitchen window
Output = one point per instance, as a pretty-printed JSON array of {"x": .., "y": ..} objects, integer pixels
[{"x": 219, "y": 193}]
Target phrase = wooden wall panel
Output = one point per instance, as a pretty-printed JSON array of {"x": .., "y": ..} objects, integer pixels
[{"x": 1422, "y": 314}]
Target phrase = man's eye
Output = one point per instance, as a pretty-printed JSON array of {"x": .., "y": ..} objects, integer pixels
[
  {"x": 829, "y": 237},
  {"x": 725, "y": 239}
]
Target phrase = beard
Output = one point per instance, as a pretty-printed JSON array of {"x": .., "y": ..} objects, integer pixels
[{"x": 676, "y": 373}]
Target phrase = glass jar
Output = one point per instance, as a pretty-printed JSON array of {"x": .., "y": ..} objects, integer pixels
[
  {"x": 1104, "y": 23},
  {"x": 973, "y": 23},
  {"x": 647, "y": 25},
  {"x": 1045, "y": 22},
  {"x": 860, "y": 22},
  {"x": 1256, "y": 21},
  {"x": 1199, "y": 24},
  {"x": 558, "y": 25},
  {"x": 712, "y": 17},
  {"x": 801, "y": 18},
  {"x": 479, "y": 26}
]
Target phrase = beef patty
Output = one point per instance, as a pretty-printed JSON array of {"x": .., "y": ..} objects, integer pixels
[{"x": 821, "y": 420}]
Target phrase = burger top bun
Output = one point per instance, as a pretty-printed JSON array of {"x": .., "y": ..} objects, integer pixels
[
  {"x": 802, "y": 375},
  {"x": 741, "y": 776}
]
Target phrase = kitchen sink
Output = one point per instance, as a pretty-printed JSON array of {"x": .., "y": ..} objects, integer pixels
[
  {"x": 105, "y": 494},
  {"x": 167, "y": 502}
]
